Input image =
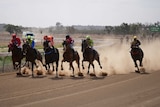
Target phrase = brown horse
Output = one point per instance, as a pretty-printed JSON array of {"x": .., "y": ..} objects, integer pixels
[
  {"x": 17, "y": 56},
  {"x": 70, "y": 55},
  {"x": 31, "y": 55},
  {"x": 89, "y": 55},
  {"x": 137, "y": 54}
]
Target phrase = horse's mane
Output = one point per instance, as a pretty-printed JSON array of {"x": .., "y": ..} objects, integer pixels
[{"x": 84, "y": 45}]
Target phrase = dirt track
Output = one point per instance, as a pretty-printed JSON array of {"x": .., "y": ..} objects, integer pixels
[{"x": 128, "y": 89}]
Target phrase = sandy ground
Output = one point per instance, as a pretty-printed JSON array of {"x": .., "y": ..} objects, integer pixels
[{"x": 122, "y": 88}]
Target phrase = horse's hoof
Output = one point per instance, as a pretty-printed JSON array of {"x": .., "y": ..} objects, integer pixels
[
  {"x": 142, "y": 70},
  {"x": 92, "y": 74},
  {"x": 19, "y": 74},
  {"x": 50, "y": 73},
  {"x": 104, "y": 74},
  {"x": 101, "y": 67},
  {"x": 39, "y": 73},
  {"x": 80, "y": 74},
  {"x": 137, "y": 71},
  {"x": 72, "y": 75}
]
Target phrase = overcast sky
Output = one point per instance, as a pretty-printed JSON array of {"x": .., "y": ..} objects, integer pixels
[{"x": 45, "y": 13}]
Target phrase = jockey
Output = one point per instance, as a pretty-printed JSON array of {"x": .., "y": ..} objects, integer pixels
[
  {"x": 135, "y": 43},
  {"x": 30, "y": 41},
  {"x": 48, "y": 42},
  {"x": 70, "y": 41},
  {"x": 51, "y": 41},
  {"x": 89, "y": 41},
  {"x": 15, "y": 40}
]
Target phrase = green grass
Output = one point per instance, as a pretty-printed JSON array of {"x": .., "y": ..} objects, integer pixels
[{"x": 7, "y": 60}]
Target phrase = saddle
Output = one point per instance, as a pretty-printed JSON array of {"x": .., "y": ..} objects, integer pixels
[{"x": 135, "y": 51}]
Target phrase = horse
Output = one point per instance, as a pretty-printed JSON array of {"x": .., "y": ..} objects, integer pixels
[
  {"x": 70, "y": 55},
  {"x": 17, "y": 56},
  {"x": 31, "y": 55},
  {"x": 51, "y": 56},
  {"x": 137, "y": 54},
  {"x": 89, "y": 55}
]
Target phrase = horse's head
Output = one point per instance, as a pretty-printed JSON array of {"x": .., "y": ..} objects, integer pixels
[
  {"x": 11, "y": 47},
  {"x": 65, "y": 45},
  {"x": 84, "y": 45},
  {"x": 25, "y": 47},
  {"x": 45, "y": 45}
]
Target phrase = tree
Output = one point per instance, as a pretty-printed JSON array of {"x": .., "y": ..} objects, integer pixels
[
  {"x": 70, "y": 29},
  {"x": 125, "y": 28},
  {"x": 13, "y": 29}
]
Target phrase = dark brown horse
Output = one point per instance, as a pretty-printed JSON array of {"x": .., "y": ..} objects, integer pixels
[
  {"x": 31, "y": 55},
  {"x": 137, "y": 54},
  {"x": 17, "y": 56},
  {"x": 89, "y": 55},
  {"x": 70, "y": 55},
  {"x": 51, "y": 56}
]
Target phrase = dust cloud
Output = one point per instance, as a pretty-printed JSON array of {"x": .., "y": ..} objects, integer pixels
[{"x": 116, "y": 59}]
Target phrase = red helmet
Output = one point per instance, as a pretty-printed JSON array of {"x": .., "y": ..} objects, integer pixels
[
  {"x": 13, "y": 35},
  {"x": 45, "y": 37}
]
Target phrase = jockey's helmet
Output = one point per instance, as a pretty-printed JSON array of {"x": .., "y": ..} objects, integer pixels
[
  {"x": 135, "y": 37},
  {"x": 50, "y": 38},
  {"x": 14, "y": 35},
  {"x": 29, "y": 37},
  {"x": 67, "y": 36},
  {"x": 45, "y": 37},
  {"x": 88, "y": 37}
]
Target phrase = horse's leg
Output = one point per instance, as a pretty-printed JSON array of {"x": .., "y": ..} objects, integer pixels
[
  {"x": 77, "y": 61},
  {"x": 62, "y": 64},
  {"x": 88, "y": 68},
  {"x": 56, "y": 68},
  {"x": 52, "y": 66},
  {"x": 82, "y": 64},
  {"x": 14, "y": 65},
  {"x": 28, "y": 64},
  {"x": 140, "y": 63},
  {"x": 48, "y": 67},
  {"x": 71, "y": 65},
  {"x": 135, "y": 63},
  {"x": 45, "y": 65},
  {"x": 99, "y": 62},
  {"x": 32, "y": 69},
  {"x": 19, "y": 67},
  {"x": 93, "y": 67}
]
